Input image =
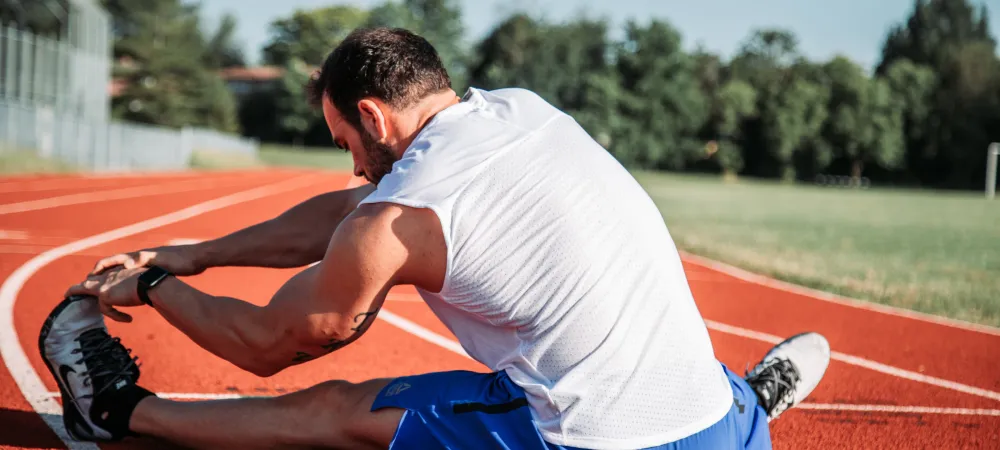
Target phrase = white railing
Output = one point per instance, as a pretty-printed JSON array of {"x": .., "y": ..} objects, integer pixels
[{"x": 101, "y": 145}]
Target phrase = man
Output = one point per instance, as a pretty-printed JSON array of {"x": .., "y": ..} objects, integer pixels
[{"x": 539, "y": 251}]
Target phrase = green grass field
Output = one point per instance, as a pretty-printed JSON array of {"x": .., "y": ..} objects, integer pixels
[{"x": 933, "y": 252}]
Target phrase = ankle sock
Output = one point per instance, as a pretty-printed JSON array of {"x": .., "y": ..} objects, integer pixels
[{"x": 112, "y": 410}]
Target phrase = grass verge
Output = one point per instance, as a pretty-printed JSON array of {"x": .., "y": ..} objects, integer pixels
[
  {"x": 935, "y": 252},
  {"x": 18, "y": 162}
]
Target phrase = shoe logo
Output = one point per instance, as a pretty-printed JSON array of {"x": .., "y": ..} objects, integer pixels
[
  {"x": 396, "y": 388},
  {"x": 65, "y": 370}
]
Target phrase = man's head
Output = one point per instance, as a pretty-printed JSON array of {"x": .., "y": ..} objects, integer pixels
[{"x": 377, "y": 89}]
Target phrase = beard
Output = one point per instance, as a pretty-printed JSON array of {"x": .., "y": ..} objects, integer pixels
[{"x": 379, "y": 158}]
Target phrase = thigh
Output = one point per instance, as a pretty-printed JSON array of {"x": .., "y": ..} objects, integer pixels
[
  {"x": 460, "y": 409},
  {"x": 744, "y": 427}
]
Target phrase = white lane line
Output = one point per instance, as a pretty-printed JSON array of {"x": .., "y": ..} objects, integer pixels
[
  {"x": 76, "y": 181},
  {"x": 116, "y": 194},
  {"x": 422, "y": 333},
  {"x": 772, "y": 283},
  {"x": 862, "y": 362},
  {"x": 183, "y": 241},
  {"x": 899, "y": 409},
  {"x": 13, "y": 235},
  {"x": 16, "y": 360}
]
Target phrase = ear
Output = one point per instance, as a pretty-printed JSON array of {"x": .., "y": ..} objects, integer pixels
[{"x": 373, "y": 118}]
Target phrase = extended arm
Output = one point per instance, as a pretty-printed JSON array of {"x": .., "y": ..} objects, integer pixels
[
  {"x": 295, "y": 238},
  {"x": 324, "y": 307}
]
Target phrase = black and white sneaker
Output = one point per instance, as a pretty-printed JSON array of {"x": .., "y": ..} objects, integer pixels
[
  {"x": 789, "y": 372},
  {"x": 93, "y": 370}
]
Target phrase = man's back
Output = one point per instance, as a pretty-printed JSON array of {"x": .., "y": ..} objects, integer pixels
[{"x": 561, "y": 272}]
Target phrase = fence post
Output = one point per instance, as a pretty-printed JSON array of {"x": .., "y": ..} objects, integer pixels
[
  {"x": 991, "y": 169},
  {"x": 187, "y": 141}
]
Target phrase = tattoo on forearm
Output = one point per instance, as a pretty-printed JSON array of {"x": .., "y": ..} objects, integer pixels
[
  {"x": 363, "y": 317},
  {"x": 363, "y": 321}
]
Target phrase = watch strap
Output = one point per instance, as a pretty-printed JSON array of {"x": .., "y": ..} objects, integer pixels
[{"x": 148, "y": 280}]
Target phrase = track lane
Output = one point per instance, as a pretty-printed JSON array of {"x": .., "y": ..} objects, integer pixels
[
  {"x": 798, "y": 430},
  {"x": 960, "y": 355},
  {"x": 12, "y": 400}
]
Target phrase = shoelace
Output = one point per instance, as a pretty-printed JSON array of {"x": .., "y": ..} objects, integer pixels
[
  {"x": 106, "y": 359},
  {"x": 775, "y": 385}
]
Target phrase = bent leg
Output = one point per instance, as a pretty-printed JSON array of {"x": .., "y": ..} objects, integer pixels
[{"x": 333, "y": 414}]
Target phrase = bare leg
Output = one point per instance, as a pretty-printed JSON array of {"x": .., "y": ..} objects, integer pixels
[{"x": 334, "y": 414}]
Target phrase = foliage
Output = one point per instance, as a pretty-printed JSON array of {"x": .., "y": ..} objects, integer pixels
[
  {"x": 309, "y": 35},
  {"x": 168, "y": 67},
  {"x": 923, "y": 115}
]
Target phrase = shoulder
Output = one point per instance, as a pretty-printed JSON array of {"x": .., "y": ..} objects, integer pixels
[{"x": 407, "y": 241}]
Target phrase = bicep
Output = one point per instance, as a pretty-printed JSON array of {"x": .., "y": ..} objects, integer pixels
[{"x": 332, "y": 303}]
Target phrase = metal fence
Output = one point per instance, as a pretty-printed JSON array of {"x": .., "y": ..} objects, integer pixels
[
  {"x": 54, "y": 100},
  {"x": 70, "y": 76},
  {"x": 101, "y": 145}
]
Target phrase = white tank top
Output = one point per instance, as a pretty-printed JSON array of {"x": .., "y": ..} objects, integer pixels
[{"x": 562, "y": 273}]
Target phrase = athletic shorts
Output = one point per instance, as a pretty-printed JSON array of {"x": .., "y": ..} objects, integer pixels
[{"x": 470, "y": 410}]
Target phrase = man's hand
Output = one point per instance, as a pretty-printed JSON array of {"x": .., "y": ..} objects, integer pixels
[
  {"x": 113, "y": 288},
  {"x": 180, "y": 260}
]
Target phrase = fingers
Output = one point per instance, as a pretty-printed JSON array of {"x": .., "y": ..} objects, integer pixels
[
  {"x": 90, "y": 286},
  {"x": 114, "y": 314},
  {"x": 109, "y": 262},
  {"x": 126, "y": 260},
  {"x": 142, "y": 259}
]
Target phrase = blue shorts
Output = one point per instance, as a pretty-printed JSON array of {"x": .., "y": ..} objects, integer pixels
[{"x": 470, "y": 410}]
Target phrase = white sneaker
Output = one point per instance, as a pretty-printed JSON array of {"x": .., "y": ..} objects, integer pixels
[
  {"x": 85, "y": 362},
  {"x": 789, "y": 372}
]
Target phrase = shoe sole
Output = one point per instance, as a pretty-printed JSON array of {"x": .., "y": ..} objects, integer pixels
[{"x": 72, "y": 417}]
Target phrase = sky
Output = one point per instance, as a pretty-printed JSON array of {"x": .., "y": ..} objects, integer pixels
[{"x": 825, "y": 28}]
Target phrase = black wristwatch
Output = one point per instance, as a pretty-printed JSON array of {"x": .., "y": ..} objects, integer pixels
[{"x": 150, "y": 279}]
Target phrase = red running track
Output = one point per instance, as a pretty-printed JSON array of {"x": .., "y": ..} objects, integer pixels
[{"x": 897, "y": 382}]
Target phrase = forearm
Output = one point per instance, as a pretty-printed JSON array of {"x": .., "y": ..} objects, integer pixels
[
  {"x": 296, "y": 238},
  {"x": 232, "y": 329}
]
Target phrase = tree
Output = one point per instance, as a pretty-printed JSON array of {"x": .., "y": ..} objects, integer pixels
[
  {"x": 952, "y": 39},
  {"x": 733, "y": 104},
  {"x": 167, "y": 82},
  {"x": 791, "y": 105},
  {"x": 221, "y": 51},
  {"x": 438, "y": 21},
  {"x": 310, "y": 35},
  {"x": 662, "y": 106},
  {"x": 865, "y": 123},
  {"x": 934, "y": 30},
  {"x": 295, "y": 116}
]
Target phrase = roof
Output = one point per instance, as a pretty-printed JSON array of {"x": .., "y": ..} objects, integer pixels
[{"x": 261, "y": 73}]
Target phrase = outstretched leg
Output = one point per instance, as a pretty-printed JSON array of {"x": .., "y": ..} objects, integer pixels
[
  {"x": 101, "y": 400},
  {"x": 334, "y": 414}
]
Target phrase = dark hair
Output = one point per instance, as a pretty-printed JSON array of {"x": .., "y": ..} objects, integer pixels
[{"x": 391, "y": 64}]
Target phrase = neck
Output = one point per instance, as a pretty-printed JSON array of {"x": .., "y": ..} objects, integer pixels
[{"x": 409, "y": 123}]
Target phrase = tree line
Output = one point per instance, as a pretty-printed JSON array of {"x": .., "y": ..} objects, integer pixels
[{"x": 923, "y": 116}]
